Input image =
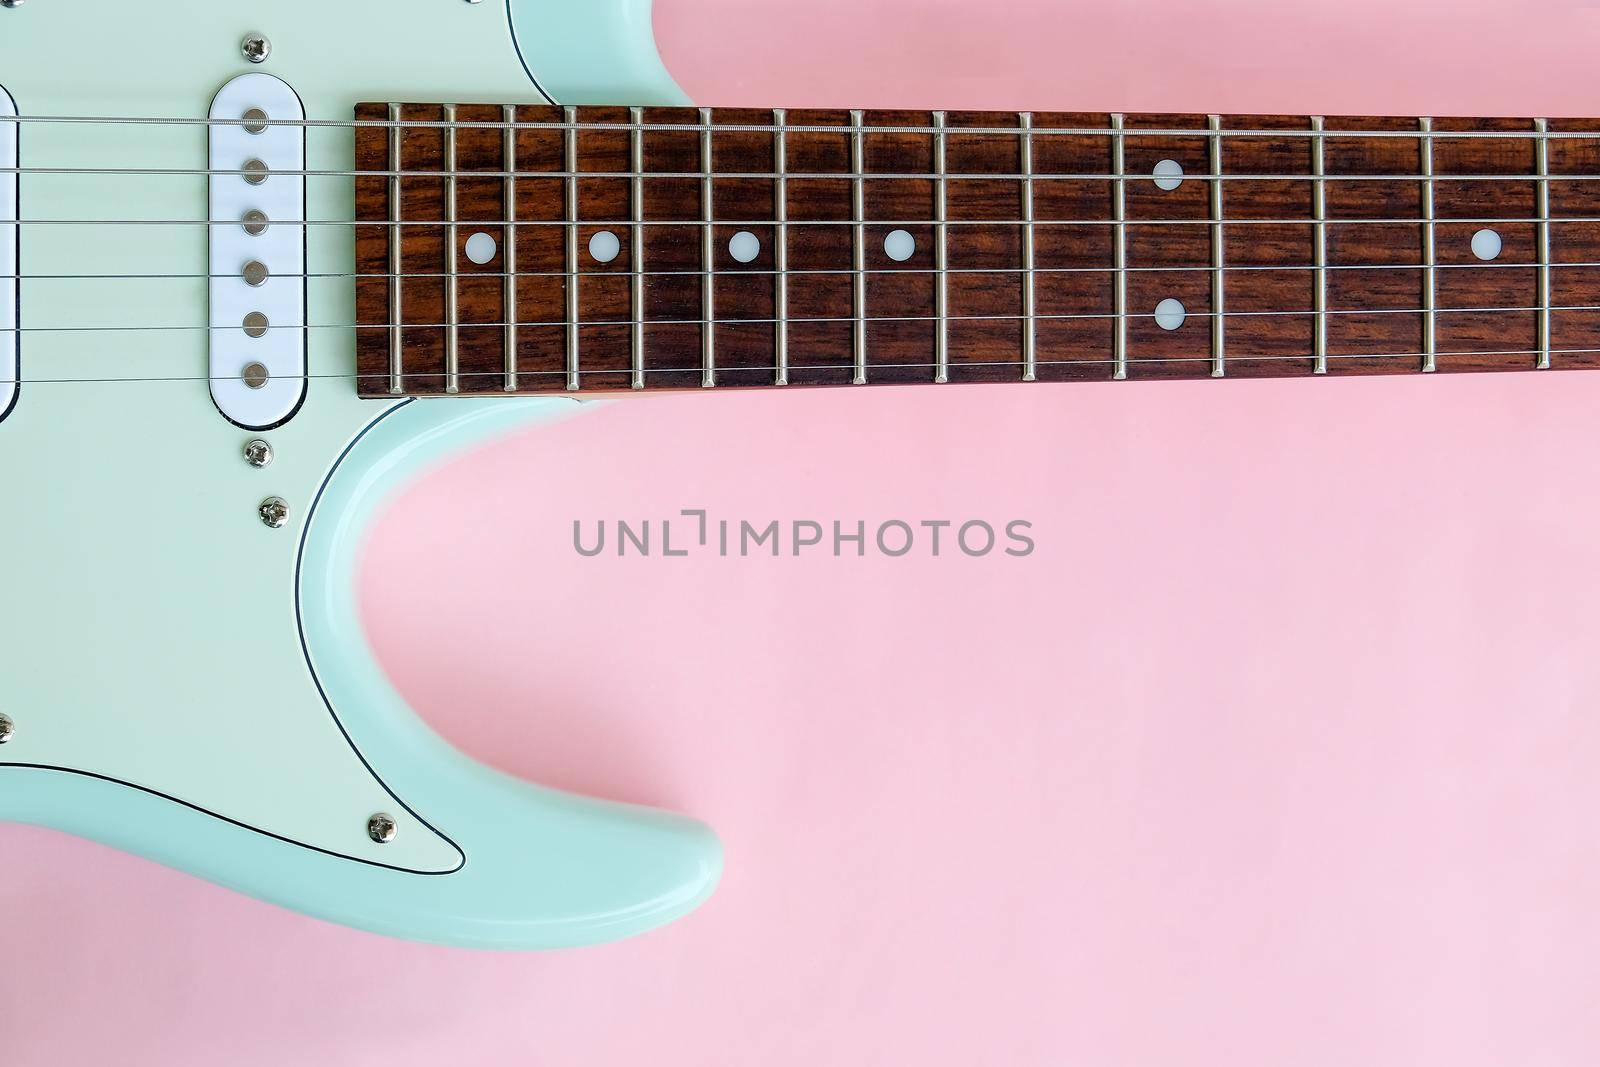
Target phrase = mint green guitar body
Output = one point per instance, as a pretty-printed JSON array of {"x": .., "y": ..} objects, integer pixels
[{"x": 184, "y": 681}]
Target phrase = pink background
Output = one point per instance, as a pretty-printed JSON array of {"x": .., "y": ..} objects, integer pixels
[{"x": 1281, "y": 748}]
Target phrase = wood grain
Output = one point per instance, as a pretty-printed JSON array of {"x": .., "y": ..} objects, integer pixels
[{"x": 1375, "y": 288}]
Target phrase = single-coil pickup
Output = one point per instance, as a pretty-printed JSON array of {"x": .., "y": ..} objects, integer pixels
[{"x": 258, "y": 251}]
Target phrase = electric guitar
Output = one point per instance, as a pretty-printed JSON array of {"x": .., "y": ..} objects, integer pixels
[{"x": 261, "y": 264}]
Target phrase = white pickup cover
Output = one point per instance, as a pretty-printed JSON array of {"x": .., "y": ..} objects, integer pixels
[
  {"x": 280, "y": 248},
  {"x": 10, "y": 239}
]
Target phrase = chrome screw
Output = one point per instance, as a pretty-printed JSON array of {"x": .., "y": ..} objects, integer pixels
[
  {"x": 256, "y": 47},
  {"x": 10, "y": 3},
  {"x": 381, "y": 828},
  {"x": 258, "y": 453},
  {"x": 7, "y": 729},
  {"x": 274, "y": 511}
]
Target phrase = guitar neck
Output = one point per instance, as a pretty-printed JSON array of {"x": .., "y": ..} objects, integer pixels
[{"x": 534, "y": 249}]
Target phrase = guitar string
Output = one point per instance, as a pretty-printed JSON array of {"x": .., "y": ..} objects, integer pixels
[
  {"x": 794, "y": 223},
  {"x": 1199, "y": 176},
  {"x": 720, "y": 272},
  {"x": 792, "y": 319},
  {"x": 1202, "y": 131},
  {"x": 1200, "y": 361}
]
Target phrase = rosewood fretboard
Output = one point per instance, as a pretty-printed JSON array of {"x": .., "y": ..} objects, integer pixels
[{"x": 678, "y": 248}]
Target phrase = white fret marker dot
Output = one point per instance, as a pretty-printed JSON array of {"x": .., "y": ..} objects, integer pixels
[
  {"x": 744, "y": 246},
  {"x": 481, "y": 247},
  {"x": 1168, "y": 174},
  {"x": 1486, "y": 244},
  {"x": 1170, "y": 314},
  {"x": 899, "y": 245},
  {"x": 604, "y": 246}
]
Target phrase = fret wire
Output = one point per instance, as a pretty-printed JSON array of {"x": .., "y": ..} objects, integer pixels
[
  {"x": 1541, "y": 149},
  {"x": 1429, "y": 319},
  {"x": 636, "y": 288},
  {"x": 1219, "y": 366},
  {"x": 859, "y": 249},
  {"x": 571, "y": 145},
  {"x": 941, "y": 291},
  {"x": 708, "y": 333},
  {"x": 1029, "y": 328},
  {"x": 396, "y": 318},
  {"x": 1119, "y": 287},
  {"x": 452, "y": 293},
  {"x": 1319, "y": 239},
  {"x": 508, "y": 149},
  {"x": 780, "y": 208}
]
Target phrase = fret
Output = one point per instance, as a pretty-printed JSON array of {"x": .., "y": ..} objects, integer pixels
[
  {"x": 678, "y": 304},
  {"x": 636, "y": 246},
  {"x": 1542, "y": 207},
  {"x": 1486, "y": 340},
  {"x": 1169, "y": 284},
  {"x": 479, "y": 295},
  {"x": 859, "y": 246},
  {"x": 541, "y": 289},
  {"x": 603, "y": 253},
  {"x": 1374, "y": 278},
  {"x": 821, "y": 286},
  {"x": 780, "y": 282},
  {"x": 708, "y": 296},
  {"x": 1575, "y": 331},
  {"x": 508, "y": 237},
  {"x": 574, "y": 382},
  {"x": 745, "y": 257},
  {"x": 452, "y": 250},
  {"x": 1319, "y": 212},
  {"x": 1119, "y": 263},
  {"x": 1029, "y": 332},
  {"x": 1219, "y": 356},
  {"x": 424, "y": 249},
  {"x": 985, "y": 302},
  {"x": 1074, "y": 256},
  {"x": 1271, "y": 286},
  {"x": 941, "y": 256},
  {"x": 377, "y": 256},
  {"x": 902, "y": 290},
  {"x": 1429, "y": 272},
  {"x": 396, "y": 272}
]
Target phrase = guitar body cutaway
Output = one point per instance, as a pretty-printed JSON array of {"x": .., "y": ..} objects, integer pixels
[{"x": 184, "y": 680}]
